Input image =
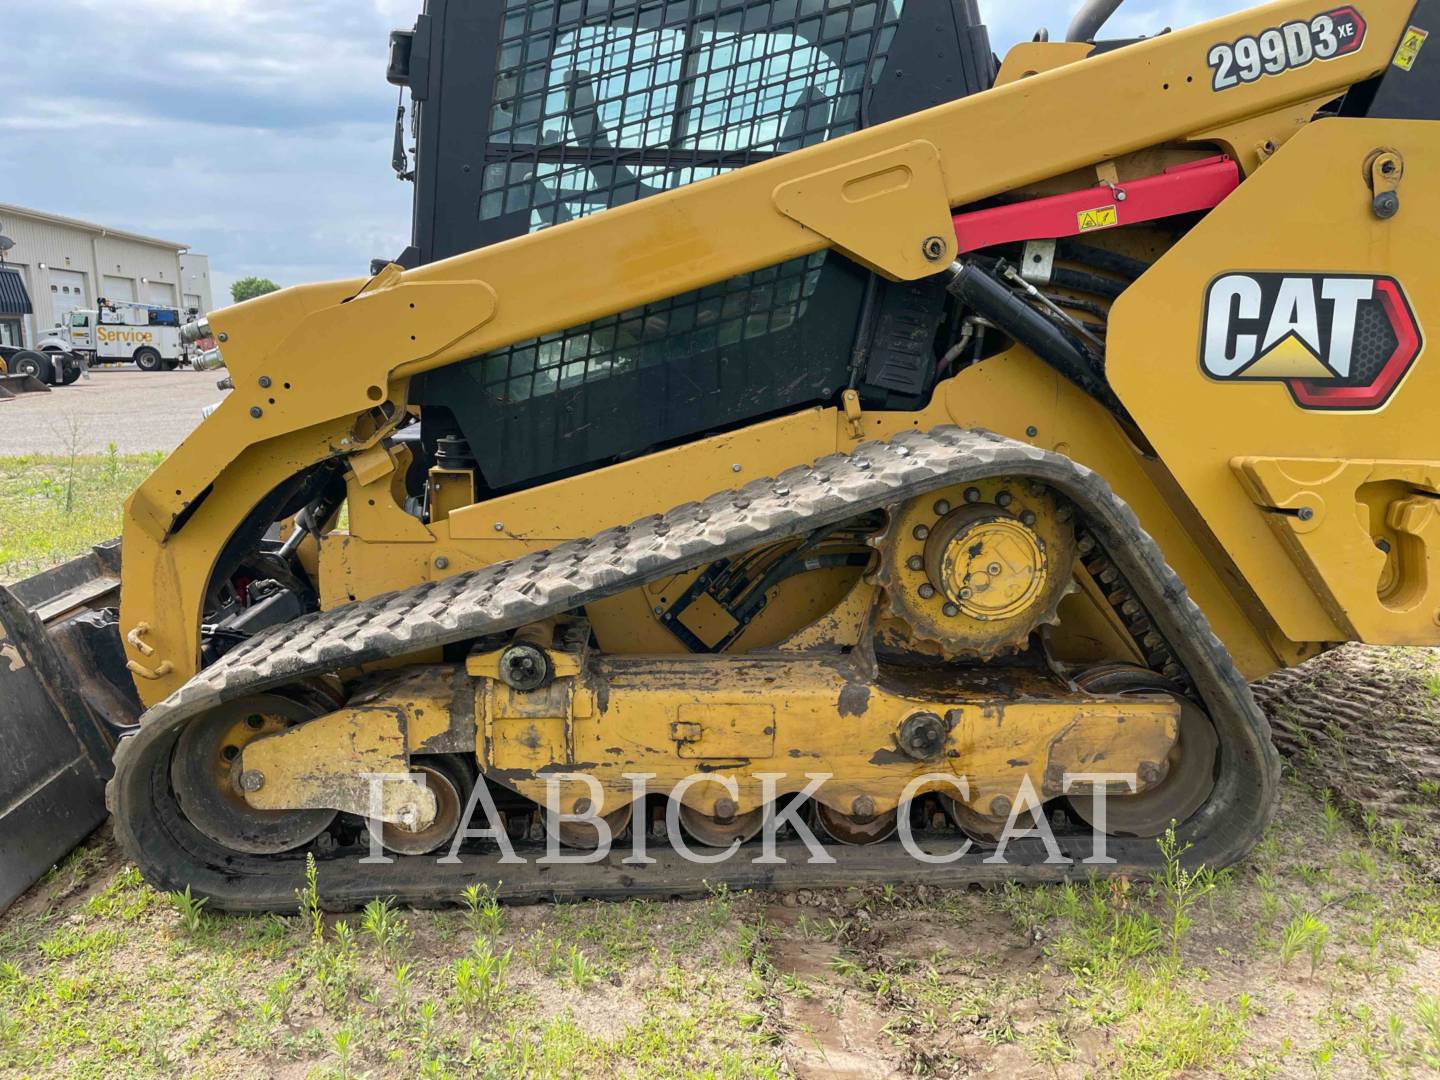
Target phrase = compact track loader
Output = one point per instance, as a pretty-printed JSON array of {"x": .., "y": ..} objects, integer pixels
[{"x": 788, "y": 422}]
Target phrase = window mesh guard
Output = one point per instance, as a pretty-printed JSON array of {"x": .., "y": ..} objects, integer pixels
[{"x": 600, "y": 103}]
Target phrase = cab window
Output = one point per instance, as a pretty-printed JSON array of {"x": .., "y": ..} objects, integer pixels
[{"x": 79, "y": 321}]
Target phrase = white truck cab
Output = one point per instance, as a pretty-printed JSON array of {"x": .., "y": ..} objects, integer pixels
[{"x": 121, "y": 330}]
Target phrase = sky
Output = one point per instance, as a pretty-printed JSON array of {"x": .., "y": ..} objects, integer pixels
[{"x": 259, "y": 131}]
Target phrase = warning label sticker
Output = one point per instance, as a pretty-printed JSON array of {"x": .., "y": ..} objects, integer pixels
[
  {"x": 1103, "y": 217},
  {"x": 1410, "y": 47}
]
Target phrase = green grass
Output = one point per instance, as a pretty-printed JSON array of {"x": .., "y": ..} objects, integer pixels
[{"x": 53, "y": 508}]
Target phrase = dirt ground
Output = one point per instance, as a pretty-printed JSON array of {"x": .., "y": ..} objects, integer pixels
[
  {"x": 137, "y": 411},
  {"x": 1319, "y": 955}
]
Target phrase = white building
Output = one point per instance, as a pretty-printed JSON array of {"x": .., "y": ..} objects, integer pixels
[
  {"x": 195, "y": 283},
  {"x": 65, "y": 264}
]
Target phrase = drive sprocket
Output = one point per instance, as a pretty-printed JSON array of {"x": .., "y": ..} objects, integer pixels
[{"x": 971, "y": 571}]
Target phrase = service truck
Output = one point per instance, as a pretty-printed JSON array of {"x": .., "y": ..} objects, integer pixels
[{"x": 121, "y": 330}]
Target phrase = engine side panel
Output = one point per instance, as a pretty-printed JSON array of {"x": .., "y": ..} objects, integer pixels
[{"x": 1278, "y": 358}]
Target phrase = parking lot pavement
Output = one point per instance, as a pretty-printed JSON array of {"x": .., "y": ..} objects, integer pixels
[{"x": 133, "y": 409}]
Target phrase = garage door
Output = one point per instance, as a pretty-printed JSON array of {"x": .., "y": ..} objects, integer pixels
[
  {"x": 160, "y": 292},
  {"x": 119, "y": 288},
  {"x": 67, "y": 292}
]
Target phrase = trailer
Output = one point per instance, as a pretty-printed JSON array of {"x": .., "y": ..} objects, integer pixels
[{"x": 30, "y": 369}]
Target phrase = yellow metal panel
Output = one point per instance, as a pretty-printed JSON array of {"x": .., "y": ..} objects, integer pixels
[
  {"x": 323, "y": 763},
  {"x": 888, "y": 211},
  {"x": 829, "y": 719},
  {"x": 1198, "y": 425},
  {"x": 719, "y": 729}
]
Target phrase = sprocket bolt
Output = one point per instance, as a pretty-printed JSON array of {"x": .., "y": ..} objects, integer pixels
[{"x": 252, "y": 780}]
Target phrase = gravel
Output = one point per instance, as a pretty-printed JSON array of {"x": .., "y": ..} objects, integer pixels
[{"x": 133, "y": 409}]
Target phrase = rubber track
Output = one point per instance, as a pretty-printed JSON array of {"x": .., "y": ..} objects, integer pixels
[{"x": 512, "y": 594}]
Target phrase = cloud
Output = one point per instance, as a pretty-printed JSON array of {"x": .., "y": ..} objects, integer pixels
[{"x": 259, "y": 131}]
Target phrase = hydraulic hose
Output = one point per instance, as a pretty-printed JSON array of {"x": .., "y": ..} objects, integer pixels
[{"x": 982, "y": 293}]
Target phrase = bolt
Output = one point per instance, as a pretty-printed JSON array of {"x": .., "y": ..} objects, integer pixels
[
  {"x": 226, "y": 383},
  {"x": 1000, "y": 807},
  {"x": 1383, "y": 545},
  {"x": 256, "y": 411},
  {"x": 1387, "y": 205},
  {"x": 926, "y": 591},
  {"x": 265, "y": 382},
  {"x": 972, "y": 495},
  {"x": 994, "y": 569},
  {"x": 1027, "y": 518},
  {"x": 499, "y": 526},
  {"x": 915, "y": 562},
  {"x": 950, "y": 611},
  {"x": 441, "y": 562},
  {"x": 1003, "y": 499},
  {"x": 222, "y": 336},
  {"x": 863, "y": 808},
  {"x": 254, "y": 723},
  {"x": 922, "y": 736},
  {"x": 1305, "y": 513},
  {"x": 1149, "y": 772},
  {"x": 1032, "y": 431},
  {"x": 921, "y": 532},
  {"x": 933, "y": 248},
  {"x": 252, "y": 780},
  {"x": 735, "y": 467},
  {"x": 581, "y": 806},
  {"x": 942, "y": 507},
  {"x": 966, "y": 593},
  {"x": 724, "y": 809}
]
